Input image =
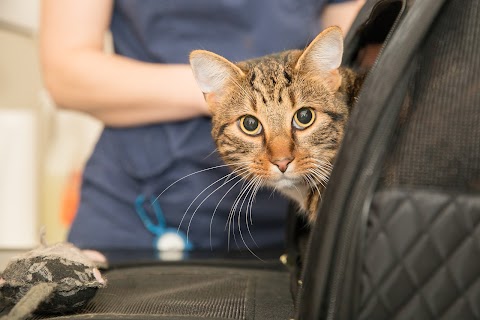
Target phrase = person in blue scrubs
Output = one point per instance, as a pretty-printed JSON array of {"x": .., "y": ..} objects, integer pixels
[{"x": 138, "y": 189}]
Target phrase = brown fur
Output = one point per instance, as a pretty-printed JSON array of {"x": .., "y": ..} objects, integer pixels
[{"x": 272, "y": 89}]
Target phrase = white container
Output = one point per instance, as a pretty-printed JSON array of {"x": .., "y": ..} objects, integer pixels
[
  {"x": 18, "y": 179},
  {"x": 70, "y": 140}
]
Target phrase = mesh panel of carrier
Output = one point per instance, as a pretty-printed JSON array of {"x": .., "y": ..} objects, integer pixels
[
  {"x": 423, "y": 237},
  {"x": 190, "y": 292},
  {"x": 438, "y": 139}
]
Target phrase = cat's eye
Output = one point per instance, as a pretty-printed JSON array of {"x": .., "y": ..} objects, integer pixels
[
  {"x": 250, "y": 125},
  {"x": 303, "y": 118}
]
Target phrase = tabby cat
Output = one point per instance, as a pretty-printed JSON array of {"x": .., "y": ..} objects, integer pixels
[{"x": 280, "y": 118}]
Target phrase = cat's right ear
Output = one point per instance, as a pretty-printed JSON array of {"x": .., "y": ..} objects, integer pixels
[
  {"x": 323, "y": 56},
  {"x": 213, "y": 73}
]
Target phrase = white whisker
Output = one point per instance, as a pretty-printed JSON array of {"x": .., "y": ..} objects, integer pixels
[
  {"x": 313, "y": 181},
  {"x": 237, "y": 201},
  {"x": 239, "y": 219},
  {"x": 273, "y": 192},
  {"x": 252, "y": 199},
  {"x": 252, "y": 189},
  {"x": 210, "y": 154},
  {"x": 218, "y": 204},
  {"x": 322, "y": 176},
  {"x": 198, "y": 195},
  {"x": 311, "y": 184},
  {"x": 306, "y": 179},
  {"x": 248, "y": 210},
  {"x": 205, "y": 199},
  {"x": 324, "y": 169},
  {"x": 231, "y": 221},
  {"x": 324, "y": 163},
  {"x": 193, "y": 173}
]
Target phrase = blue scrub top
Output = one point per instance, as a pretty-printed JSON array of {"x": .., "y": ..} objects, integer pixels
[{"x": 130, "y": 167}]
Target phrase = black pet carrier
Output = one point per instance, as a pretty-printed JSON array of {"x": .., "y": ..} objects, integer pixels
[{"x": 397, "y": 235}]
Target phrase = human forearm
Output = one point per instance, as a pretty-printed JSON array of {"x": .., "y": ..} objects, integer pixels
[
  {"x": 127, "y": 117},
  {"x": 103, "y": 85}
]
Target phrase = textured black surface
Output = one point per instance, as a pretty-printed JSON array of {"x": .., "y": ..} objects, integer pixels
[
  {"x": 191, "y": 292},
  {"x": 438, "y": 138},
  {"x": 423, "y": 256}
]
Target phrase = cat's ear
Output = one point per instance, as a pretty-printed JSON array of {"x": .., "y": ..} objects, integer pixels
[
  {"x": 323, "y": 56},
  {"x": 213, "y": 72}
]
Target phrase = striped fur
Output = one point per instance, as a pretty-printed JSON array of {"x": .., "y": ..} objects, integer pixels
[{"x": 272, "y": 89}]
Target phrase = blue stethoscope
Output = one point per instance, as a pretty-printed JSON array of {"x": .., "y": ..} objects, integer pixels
[{"x": 166, "y": 239}]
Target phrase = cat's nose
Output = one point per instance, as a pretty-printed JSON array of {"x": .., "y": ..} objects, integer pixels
[{"x": 282, "y": 164}]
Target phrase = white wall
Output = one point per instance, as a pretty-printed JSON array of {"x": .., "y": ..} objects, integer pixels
[
  {"x": 42, "y": 176},
  {"x": 20, "y": 13}
]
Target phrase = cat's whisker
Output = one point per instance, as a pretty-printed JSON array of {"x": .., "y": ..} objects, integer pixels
[
  {"x": 321, "y": 179},
  {"x": 248, "y": 187},
  {"x": 241, "y": 170},
  {"x": 325, "y": 169},
  {"x": 244, "y": 192},
  {"x": 313, "y": 184},
  {"x": 318, "y": 177},
  {"x": 237, "y": 201},
  {"x": 319, "y": 174},
  {"x": 211, "y": 153},
  {"x": 310, "y": 181},
  {"x": 322, "y": 175},
  {"x": 307, "y": 181},
  {"x": 273, "y": 192},
  {"x": 316, "y": 187},
  {"x": 206, "y": 198},
  {"x": 196, "y": 172},
  {"x": 248, "y": 212},
  {"x": 195, "y": 199},
  {"x": 324, "y": 164},
  {"x": 319, "y": 192},
  {"x": 257, "y": 187},
  {"x": 218, "y": 204},
  {"x": 252, "y": 188},
  {"x": 230, "y": 220}
]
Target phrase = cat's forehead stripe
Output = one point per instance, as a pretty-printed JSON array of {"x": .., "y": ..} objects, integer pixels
[{"x": 268, "y": 79}]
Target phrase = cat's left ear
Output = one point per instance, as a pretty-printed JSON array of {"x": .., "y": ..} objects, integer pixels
[
  {"x": 323, "y": 56},
  {"x": 213, "y": 72}
]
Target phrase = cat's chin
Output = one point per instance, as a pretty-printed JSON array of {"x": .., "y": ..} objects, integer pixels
[
  {"x": 294, "y": 189},
  {"x": 285, "y": 182}
]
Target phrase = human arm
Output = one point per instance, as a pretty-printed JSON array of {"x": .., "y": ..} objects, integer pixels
[
  {"x": 341, "y": 14},
  {"x": 117, "y": 90}
]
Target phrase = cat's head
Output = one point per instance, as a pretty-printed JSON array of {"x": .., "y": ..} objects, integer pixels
[{"x": 279, "y": 117}]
